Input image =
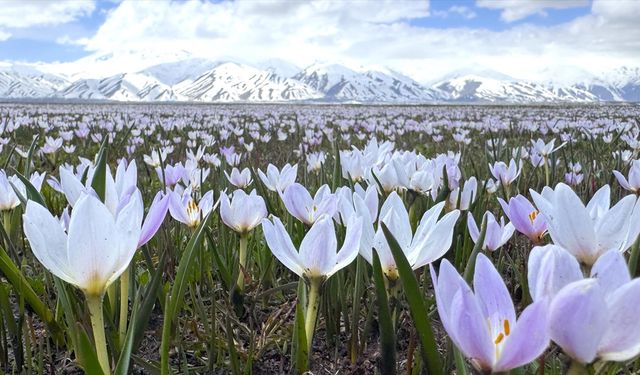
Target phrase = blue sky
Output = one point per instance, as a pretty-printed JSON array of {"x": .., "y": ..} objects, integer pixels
[{"x": 421, "y": 38}]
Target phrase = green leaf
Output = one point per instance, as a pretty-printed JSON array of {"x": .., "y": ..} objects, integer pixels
[
  {"x": 187, "y": 261},
  {"x": 23, "y": 288},
  {"x": 27, "y": 166},
  {"x": 122, "y": 368},
  {"x": 387, "y": 335},
  {"x": 99, "y": 181},
  {"x": 417, "y": 307},
  {"x": 142, "y": 316},
  {"x": 32, "y": 193},
  {"x": 86, "y": 352}
]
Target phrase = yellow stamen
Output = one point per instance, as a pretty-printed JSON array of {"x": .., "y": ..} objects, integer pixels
[
  {"x": 507, "y": 329},
  {"x": 532, "y": 216},
  {"x": 499, "y": 338}
]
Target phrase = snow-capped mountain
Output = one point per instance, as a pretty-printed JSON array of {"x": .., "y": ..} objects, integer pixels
[
  {"x": 155, "y": 76},
  {"x": 339, "y": 83},
  {"x": 229, "y": 82},
  {"x": 473, "y": 88}
]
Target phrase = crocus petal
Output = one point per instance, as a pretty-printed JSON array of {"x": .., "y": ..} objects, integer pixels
[
  {"x": 612, "y": 227},
  {"x": 578, "y": 319},
  {"x": 611, "y": 271},
  {"x": 622, "y": 181},
  {"x": 155, "y": 217},
  {"x": 438, "y": 242},
  {"x": 473, "y": 340},
  {"x": 600, "y": 202},
  {"x": 621, "y": 341},
  {"x": 281, "y": 246},
  {"x": 93, "y": 250},
  {"x": 550, "y": 268},
  {"x": 71, "y": 186},
  {"x": 527, "y": 341},
  {"x": 177, "y": 208},
  {"x": 570, "y": 225},
  {"x": 47, "y": 239},
  {"x": 349, "y": 250},
  {"x": 318, "y": 247},
  {"x": 492, "y": 293}
]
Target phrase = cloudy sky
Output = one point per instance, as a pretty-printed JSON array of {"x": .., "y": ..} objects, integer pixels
[{"x": 424, "y": 39}]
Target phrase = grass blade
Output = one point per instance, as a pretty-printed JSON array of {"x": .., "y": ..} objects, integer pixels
[{"x": 417, "y": 307}]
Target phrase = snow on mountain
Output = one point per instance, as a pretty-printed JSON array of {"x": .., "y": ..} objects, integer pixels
[
  {"x": 472, "y": 88},
  {"x": 339, "y": 83},
  {"x": 182, "y": 76},
  {"x": 120, "y": 87},
  {"x": 230, "y": 81},
  {"x": 24, "y": 81}
]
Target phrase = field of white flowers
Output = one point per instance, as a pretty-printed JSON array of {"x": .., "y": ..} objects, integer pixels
[{"x": 273, "y": 239}]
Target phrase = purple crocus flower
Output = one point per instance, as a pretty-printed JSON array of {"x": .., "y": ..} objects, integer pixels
[
  {"x": 497, "y": 233},
  {"x": 524, "y": 217},
  {"x": 482, "y": 323},
  {"x": 172, "y": 174}
]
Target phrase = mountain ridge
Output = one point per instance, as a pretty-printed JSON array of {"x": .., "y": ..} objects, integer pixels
[{"x": 195, "y": 79}]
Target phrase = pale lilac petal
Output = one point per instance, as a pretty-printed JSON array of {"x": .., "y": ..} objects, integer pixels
[
  {"x": 155, "y": 217},
  {"x": 492, "y": 293},
  {"x": 621, "y": 341},
  {"x": 528, "y": 339},
  {"x": 578, "y": 319},
  {"x": 611, "y": 271},
  {"x": 550, "y": 269}
]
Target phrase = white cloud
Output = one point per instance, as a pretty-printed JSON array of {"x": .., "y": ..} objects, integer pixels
[
  {"x": 368, "y": 33},
  {"x": 4, "y": 35},
  {"x": 20, "y": 14},
  {"x": 513, "y": 10}
]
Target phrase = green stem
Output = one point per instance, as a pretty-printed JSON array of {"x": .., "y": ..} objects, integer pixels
[
  {"x": 313, "y": 303},
  {"x": 547, "y": 176},
  {"x": 124, "y": 305},
  {"x": 633, "y": 259},
  {"x": 7, "y": 222},
  {"x": 577, "y": 368},
  {"x": 97, "y": 324},
  {"x": 244, "y": 240}
]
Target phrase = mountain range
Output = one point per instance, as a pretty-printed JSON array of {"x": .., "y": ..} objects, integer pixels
[{"x": 183, "y": 77}]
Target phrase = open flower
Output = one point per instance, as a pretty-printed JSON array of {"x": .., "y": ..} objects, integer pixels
[
  {"x": 243, "y": 212},
  {"x": 185, "y": 209},
  {"x": 318, "y": 256},
  {"x": 8, "y": 197},
  {"x": 239, "y": 179},
  {"x": 606, "y": 327},
  {"x": 631, "y": 184},
  {"x": 431, "y": 240},
  {"x": 505, "y": 174},
  {"x": 588, "y": 231},
  {"x": 276, "y": 180},
  {"x": 97, "y": 248},
  {"x": 524, "y": 217},
  {"x": 482, "y": 323},
  {"x": 300, "y": 205},
  {"x": 497, "y": 234}
]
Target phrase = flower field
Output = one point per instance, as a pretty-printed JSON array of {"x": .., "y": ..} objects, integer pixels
[{"x": 267, "y": 239}]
